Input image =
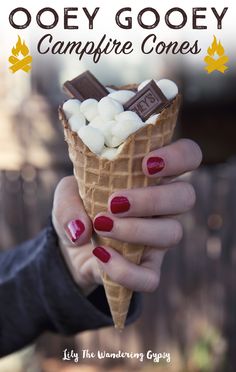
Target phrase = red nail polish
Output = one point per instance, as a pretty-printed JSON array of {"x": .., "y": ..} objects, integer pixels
[
  {"x": 120, "y": 204},
  {"x": 155, "y": 165},
  {"x": 76, "y": 228},
  {"x": 101, "y": 254},
  {"x": 103, "y": 223}
]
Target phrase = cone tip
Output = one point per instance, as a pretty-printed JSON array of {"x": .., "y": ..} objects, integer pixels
[{"x": 119, "y": 327}]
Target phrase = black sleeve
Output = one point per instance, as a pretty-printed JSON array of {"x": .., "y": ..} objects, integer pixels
[{"x": 37, "y": 293}]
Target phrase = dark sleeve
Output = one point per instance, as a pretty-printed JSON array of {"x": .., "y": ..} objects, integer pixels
[{"x": 37, "y": 293}]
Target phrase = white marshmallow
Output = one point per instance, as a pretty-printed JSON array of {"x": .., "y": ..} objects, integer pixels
[
  {"x": 77, "y": 121},
  {"x": 92, "y": 138},
  {"x": 121, "y": 96},
  {"x": 128, "y": 115},
  {"x": 109, "y": 154},
  {"x": 89, "y": 108},
  {"x": 143, "y": 84},
  {"x": 71, "y": 107},
  {"x": 108, "y": 108},
  {"x": 123, "y": 129},
  {"x": 168, "y": 88},
  {"x": 105, "y": 127},
  {"x": 152, "y": 119},
  {"x": 113, "y": 141},
  {"x": 97, "y": 122}
]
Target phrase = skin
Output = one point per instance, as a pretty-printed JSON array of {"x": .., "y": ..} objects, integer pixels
[{"x": 165, "y": 201}]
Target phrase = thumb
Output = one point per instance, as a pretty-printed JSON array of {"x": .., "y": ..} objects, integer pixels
[{"x": 69, "y": 217}]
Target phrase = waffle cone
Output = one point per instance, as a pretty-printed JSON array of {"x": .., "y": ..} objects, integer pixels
[{"x": 98, "y": 178}]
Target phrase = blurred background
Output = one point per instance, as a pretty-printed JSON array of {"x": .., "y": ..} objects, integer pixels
[{"x": 192, "y": 315}]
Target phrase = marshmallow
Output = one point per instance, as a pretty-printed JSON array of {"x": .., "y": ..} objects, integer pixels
[
  {"x": 122, "y": 96},
  {"x": 77, "y": 121},
  {"x": 71, "y": 107},
  {"x": 92, "y": 138},
  {"x": 152, "y": 119},
  {"x": 97, "y": 122},
  {"x": 113, "y": 141},
  {"x": 128, "y": 122},
  {"x": 168, "y": 88},
  {"x": 142, "y": 85},
  {"x": 89, "y": 108},
  {"x": 105, "y": 127},
  {"x": 109, "y": 154},
  {"x": 108, "y": 108},
  {"x": 128, "y": 115},
  {"x": 123, "y": 129}
]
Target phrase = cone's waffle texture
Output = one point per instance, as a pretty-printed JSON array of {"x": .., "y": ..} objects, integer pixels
[{"x": 98, "y": 178}]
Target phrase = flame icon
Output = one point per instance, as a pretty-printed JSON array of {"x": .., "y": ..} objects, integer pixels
[
  {"x": 218, "y": 63},
  {"x": 23, "y": 63}
]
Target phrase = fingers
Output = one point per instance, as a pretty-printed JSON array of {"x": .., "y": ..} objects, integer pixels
[
  {"x": 174, "y": 159},
  {"x": 154, "y": 232},
  {"x": 69, "y": 217},
  {"x": 142, "y": 278},
  {"x": 170, "y": 199}
]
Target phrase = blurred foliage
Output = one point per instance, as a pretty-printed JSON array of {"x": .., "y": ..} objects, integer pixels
[{"x": 208, "y": 352}]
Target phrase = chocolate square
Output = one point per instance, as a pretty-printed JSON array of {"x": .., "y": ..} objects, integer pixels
[
  {"x": 85, "y": 86},
  {"x": 147, "y": 101}
]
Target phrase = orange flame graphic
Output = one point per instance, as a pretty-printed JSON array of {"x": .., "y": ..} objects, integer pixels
[
  {"x": 20, "y": 48},
  {"x": 23, "y": 63},
  {"x": 214, "y": 64}
]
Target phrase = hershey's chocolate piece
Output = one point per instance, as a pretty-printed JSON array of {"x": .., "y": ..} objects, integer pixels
[
  {"x": 147, "y": 101},
  {"x": 85, "y": 86}
]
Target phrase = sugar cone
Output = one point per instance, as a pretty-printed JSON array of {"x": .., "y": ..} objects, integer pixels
[{"x": 98, "y": 178}]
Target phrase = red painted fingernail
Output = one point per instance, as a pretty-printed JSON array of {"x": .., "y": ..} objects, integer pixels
[
  {"x": 120, "y": 204},
  {"x": 103, "y": 223},
  {"x": 101, "y": 254},
  {"x": 155, "y": 165},
  {"x": 76, "y": 229}
]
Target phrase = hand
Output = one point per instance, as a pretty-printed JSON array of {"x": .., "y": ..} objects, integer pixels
[{"x": 157, "y": 228}]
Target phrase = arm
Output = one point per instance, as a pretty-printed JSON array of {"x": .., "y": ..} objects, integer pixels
[{"x": 37, "y": 293}]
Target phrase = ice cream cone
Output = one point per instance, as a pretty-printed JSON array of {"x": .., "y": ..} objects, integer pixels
[{"x": 98, "y": 178}]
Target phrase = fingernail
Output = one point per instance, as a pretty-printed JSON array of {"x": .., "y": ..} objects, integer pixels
[
  {"x": 120, "y": 204},
  {"x": 155, "y": 165},
  {"x": 76, "y": 229},
  {"x": 103, "y": 223},
  {"x": 101, "y": 254}
]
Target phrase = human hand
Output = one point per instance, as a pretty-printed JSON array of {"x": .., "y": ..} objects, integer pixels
[{"x": 157, "y": 228}]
